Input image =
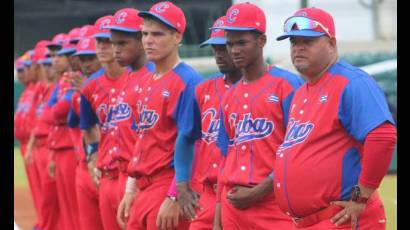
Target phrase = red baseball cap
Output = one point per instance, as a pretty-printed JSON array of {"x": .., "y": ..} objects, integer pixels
[
  {"x": 19, "y": 63},
  {"x": 67, "y": 48},
  {"x": 87, "y": 31},
  {"x": 57, "y": 41},
  {"x": 27, "y": 58},
  {"x": 309, "y": 22},
  {"x": 245, "y": 17},
  {"x": 126, "y": 20},
  {"x": 167, "y": 13},
  {"x": 217, "y": 35},
  {"x": 86, "y": 46},
  {"x": 101, "y": 25},
  {"x": 42, "y": 43},
  {"x": 74, "y": 35},
  {"x": 39, "y": 53}
]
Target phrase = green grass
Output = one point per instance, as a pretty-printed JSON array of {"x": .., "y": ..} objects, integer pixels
[
  {"x": 388, "y": 193},
  {"x": 388, "y": 189},
  {"x": 20, "y": 178}
]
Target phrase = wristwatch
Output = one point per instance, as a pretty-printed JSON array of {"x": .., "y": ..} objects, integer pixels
[{"x": 355, "y": 196}]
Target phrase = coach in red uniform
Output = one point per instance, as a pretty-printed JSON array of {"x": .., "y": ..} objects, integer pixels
[{"x": 340, "y": 136}]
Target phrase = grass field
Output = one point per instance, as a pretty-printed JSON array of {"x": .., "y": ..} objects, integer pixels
[{"x": 388, "y": 189}]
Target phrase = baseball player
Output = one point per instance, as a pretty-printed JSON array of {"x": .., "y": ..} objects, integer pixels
[
  {"x": 31, "y": 156},
  {"x": 340, "y": 134},
  {"x": 49, "y": 207},
  {"x": 86, "y": 191},
  {"x": 23, "y": 118},
  {"x": 106, "y": 100},
  {"x": 208, "y": 96},
  {"x": 164, "y": 106},
  {"x": 253, "y": 121},
  {"x": 63, "y": 161}
]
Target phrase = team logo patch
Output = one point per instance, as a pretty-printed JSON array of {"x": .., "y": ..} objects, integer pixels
[
  {"x": 233, "y": 15},
  {"x": 218, "y": 23},
  {"x": 83, "y": 31},
  {"x": 211, "y": 133},
  {"x": 85, "y": 43},
  {"x": 121, "y": 17},
  {"x": 105, "y": 23},
  {"x": 112, "y": 114},
  {"x": 323, "y": 99},
  {"x": 147, "y": 118},
  {"x": 40, "y": 109},
  {"x": 161, "y": 7},
  {"x": 272, "y": 98},
  {"x": 165, "y": 93},
  {"x": 296, "y": 133},
  {"x": 23, "y": 107},
  {"x": 250, "y": 129}
]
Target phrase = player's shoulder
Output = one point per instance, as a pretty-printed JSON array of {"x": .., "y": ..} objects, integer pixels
[
  {"x": 346, "y": 70},
  {"x": 211, "y": 80},
  {"x": 284, "y": 75},
  {"x": 93, "y": 78},
  {"x": 187, "y": 74}
]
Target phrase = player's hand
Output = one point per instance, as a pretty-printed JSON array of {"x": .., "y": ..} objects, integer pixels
[
  {"x": 76, "y": 81},
  {"x": 124, "y": 208},
  {"x": 351, "y": 211},
  {"x": 217, "y": 225},
  {"x": 51, "y": 169},
  {"x": 187, "y": 200},
  {"x": 168, "y": 215},
  {"x": 28, "y": 157},
  {"x": 92, "y": 169},
  {"x": 242, "y": 197}
]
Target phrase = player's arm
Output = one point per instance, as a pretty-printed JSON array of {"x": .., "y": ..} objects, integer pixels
[
  {"x": 91, "y": 133},
  {"x": 28, "y": 156},
  {"x": 364, "y": 113},
  {"x": 188, "y": 119},
  {"x": 62, "y": 107}
]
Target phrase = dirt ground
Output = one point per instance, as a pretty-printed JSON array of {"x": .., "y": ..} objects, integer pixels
[{"x": 24, "y": 213}]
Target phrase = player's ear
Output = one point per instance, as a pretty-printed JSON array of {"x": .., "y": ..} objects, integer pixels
[
  {"x": 262, "y": 40},
  {"x": 178, "y": 37}
]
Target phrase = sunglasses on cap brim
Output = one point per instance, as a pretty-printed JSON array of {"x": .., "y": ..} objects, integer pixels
[{"x": 303, "y": 23}]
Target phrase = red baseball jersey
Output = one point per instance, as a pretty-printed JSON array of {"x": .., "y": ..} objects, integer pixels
[
  {"x": 59, "y": 105},
  {"x": 208, "y": 97},
  {"x": 42, "y": 128},
  {"x": 253, "y": 125},
  {"x": 165, "y": 107},
  {"x": 21, "y": 132},
  {"x": 110, "y": 103},
  {"x": 319, "y": 159}
]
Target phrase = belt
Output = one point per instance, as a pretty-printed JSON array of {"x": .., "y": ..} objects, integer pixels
[
  {"x": 324, "y": 214},
  {"x": 143, "y": 182}
]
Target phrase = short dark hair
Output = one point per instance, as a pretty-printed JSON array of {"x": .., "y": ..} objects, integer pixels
[
  {"x": 256, "y": 33},
  {"x": 136, "y": 35}
]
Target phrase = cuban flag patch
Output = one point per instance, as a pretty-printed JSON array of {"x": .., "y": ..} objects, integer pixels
[
  {"x": 323, "y": 99},
  {"x": 165, "y": 93},
  {"x": 273, "y": 98}
]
